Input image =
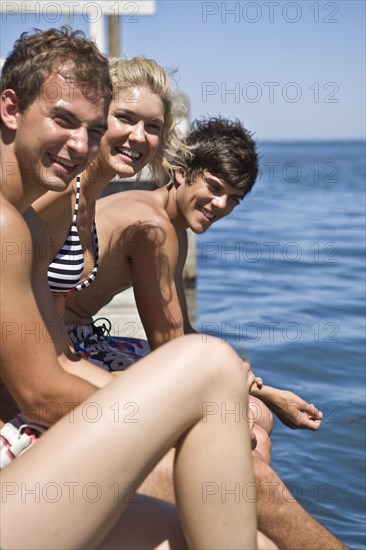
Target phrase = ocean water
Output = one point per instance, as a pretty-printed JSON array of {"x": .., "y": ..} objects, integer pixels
[{"x": 283, "y": 280}]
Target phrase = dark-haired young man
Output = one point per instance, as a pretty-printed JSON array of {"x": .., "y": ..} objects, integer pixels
[
  {"x": 143, "y": 242},
  {"x": 143, "y": 235}
]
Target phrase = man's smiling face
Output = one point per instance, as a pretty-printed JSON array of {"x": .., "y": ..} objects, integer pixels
[
  {"x": 205, "y": 200},
  {"x": 59, "y": 134}
]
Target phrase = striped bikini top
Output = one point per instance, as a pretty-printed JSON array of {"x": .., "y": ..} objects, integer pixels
[{"x": 66, "y": 269}]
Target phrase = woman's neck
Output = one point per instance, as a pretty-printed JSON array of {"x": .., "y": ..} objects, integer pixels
[{"x": 94, "y": 179}]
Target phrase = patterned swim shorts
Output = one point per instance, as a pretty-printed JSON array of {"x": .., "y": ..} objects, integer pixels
[{"x": 111, "y": 353}]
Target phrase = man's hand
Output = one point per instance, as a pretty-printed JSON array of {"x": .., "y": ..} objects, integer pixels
[{"x": 294, "y": 412}]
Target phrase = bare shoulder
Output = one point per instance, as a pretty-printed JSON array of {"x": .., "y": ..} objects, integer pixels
[
  {"x": 13, "y": 227},
  {"x": 16, "y": 245},
  {"x": 135, "y": 208}
]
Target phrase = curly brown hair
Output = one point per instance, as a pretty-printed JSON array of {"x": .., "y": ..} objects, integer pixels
[
  {"x": 224, "y": 148},
  {"x": 37, "y": 55}
]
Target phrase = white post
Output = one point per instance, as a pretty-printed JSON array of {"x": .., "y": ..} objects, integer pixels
[
  {"x": 92, "y": 11},
  {"x": 96, "y": 29}
]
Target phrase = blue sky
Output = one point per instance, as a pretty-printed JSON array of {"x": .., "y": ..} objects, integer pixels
[{"x": 288, "y": 70}]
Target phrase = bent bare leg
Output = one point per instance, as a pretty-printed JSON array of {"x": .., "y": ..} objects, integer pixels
[
  {"x": 109, "y": 444},
  {"x": 151, "y": 523},
  {"x": 262, "y": 415},
  {"x": 263, "y": 443},
  {"x": 283, "y": 519}
]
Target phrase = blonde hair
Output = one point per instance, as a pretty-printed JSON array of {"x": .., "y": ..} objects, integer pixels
[{"x": 140, "y": 71}]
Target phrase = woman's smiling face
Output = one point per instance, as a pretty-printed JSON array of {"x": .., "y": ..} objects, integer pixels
[{"x": 135, "y": 126}]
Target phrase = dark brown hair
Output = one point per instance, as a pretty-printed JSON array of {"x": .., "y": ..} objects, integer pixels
[{"x": 225, "y": 149}]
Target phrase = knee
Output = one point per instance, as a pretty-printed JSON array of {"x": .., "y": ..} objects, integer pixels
[
  {"x": 218, "y": 354},
  {"x": 263, "y": 417},
  {"x": 264, "y": 444},
  {"x": 216, "y": 359}
]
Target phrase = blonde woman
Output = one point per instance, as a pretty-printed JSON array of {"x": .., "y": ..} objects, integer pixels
[{"x": 141, "y": 132}]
